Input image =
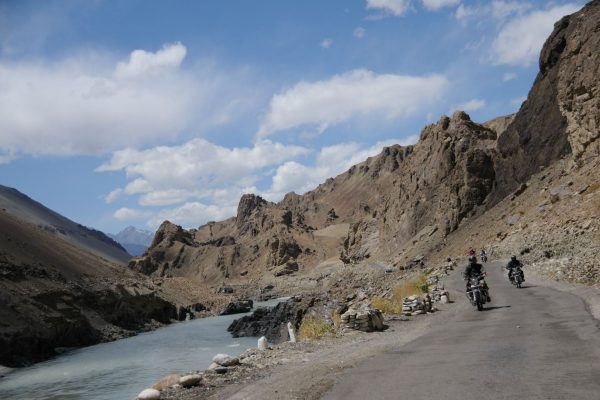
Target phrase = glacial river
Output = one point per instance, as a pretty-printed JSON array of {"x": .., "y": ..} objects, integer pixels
[{"x": 121, "y": 369}]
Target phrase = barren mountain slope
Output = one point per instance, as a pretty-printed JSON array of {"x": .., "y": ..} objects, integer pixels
[
  {"x": 371, "y": 210},
  {"x": 55, "y": 294},
  {"x": 24, "y": 208},
  {"x": 407, "y": 200}
]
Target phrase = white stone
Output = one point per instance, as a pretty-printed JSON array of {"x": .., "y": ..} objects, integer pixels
[
  {"x": 149, "y": 394},
  {"x": 262, "y": 343},
  {"x": 291, "y": 332},
  {"x": 225, "y": 360},
  {"x": 444, "y": 299},
  {"x": 190, "y": 380}
]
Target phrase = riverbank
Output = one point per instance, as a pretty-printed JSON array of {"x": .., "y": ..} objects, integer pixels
[{"x": 306, "y": 369}]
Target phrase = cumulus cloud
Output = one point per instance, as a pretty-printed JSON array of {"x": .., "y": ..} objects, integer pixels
[
  {"x": 193, "y": 171},
  {"x": 471, "y": 105},
  {"x": 126, "y": 214},
  {"x": 330, "y": 162},
  {"x": 113, "y": 195},
  {"x": 354, "y": 93},
  {"x": 326, "y": 43},
  {"x": 520, "y": 40},
  {"x": 359, "y": 32},
  {"x": 142, "y": 62},
  {"x": 393, "y": 7},
  {"x": 435, "y": 5},
  {"x": 192, "y": 214},
  {"x": 92, "y": 104}
]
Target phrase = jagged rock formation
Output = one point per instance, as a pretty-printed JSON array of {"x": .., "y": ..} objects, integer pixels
[
  {"x": 407, "y": 196},
  {"x": 561, "y": 113}
]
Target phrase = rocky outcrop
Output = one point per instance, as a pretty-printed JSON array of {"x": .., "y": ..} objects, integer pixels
[
  {"x": 272, "y": 322},
  {"x": 561, "y": 113}
]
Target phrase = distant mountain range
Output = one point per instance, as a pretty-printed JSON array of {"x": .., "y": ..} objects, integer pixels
[{"x": 134, "y": 240}]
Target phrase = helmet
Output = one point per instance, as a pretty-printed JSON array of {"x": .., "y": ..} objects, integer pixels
[
  {"x": 514, "y": 258},
  {"x": 472, "y": 259}
]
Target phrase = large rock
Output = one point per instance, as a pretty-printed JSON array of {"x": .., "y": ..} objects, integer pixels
[{"x": 149, "y": 394}]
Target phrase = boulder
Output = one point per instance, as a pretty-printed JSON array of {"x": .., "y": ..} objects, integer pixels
[
  {"x": 148, "y": 394},
  {"x": 190, "y": 380},
  {"x": 225, "y": 360},
  {"x": 238, "y": 307}
]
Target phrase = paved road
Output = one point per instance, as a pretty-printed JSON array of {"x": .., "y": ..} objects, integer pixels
[{"x": 530, "y": 343}]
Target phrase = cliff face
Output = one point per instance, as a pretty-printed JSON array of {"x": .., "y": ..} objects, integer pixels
[
  {"x": 561, "y": 113},
  {"x": 412, "y": 196}
]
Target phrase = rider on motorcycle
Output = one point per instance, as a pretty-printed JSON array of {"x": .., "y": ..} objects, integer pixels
[
  {"x": 512, "y": 264},
  {"x": 482, "y": 254},
  {"x": 472, "y": 270}
]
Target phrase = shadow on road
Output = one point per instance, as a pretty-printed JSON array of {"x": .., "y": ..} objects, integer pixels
[{"x": 494, "y": 308}]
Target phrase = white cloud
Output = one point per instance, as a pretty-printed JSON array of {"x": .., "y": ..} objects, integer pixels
[
  {"x": 193, "y": 214},
  {"x": 393, "y": 7},
  {"x": 463, "y": 12},
  {"x": 509, "y": 76},
  {"x": 354, "y": 93},
  {"x": 503, "y": 9},
  {"x": 91, "y": 104},
  {"x": 518, "y": 101},
  {"x": 520, "y": 40},
  {"x": 359, "y": 32},
  {"x": 125, "y": 214},
  {"x": 435, "y": 5},
  {"x": 471, "y": 105},
  {"x": 193, "y": 171},
  {"x": 326, "y": 43},
  {"x": 498, "y": 10},
  {"x": 142, "y": 63},
  {"x": 113, "y": 195},
  {"x": 330, "y": 162}
]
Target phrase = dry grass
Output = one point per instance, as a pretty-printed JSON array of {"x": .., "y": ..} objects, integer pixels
[
  {"x": 413, "y": 286},
  {"x": 314, "y": 327}
]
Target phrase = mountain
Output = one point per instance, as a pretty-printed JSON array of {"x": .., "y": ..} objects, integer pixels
[
  {"x": 412, "y": 200},
  {"x": 134, "y": 240},
  {"x": 26, "y": 209},
  {"x": 63, "y": 285}
]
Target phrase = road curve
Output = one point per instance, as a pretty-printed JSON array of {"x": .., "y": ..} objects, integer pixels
[{"x": 530, "y": 343}]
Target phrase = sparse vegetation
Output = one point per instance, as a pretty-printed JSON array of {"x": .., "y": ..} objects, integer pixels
[
  {"x": 408, "y": 287},
  {"x": 314, "y": 327}
]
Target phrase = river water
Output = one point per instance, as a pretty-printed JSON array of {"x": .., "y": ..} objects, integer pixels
[{"x": 120, "y": 370}]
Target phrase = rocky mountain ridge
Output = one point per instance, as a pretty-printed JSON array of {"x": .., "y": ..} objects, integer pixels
[{"x": 406, "y": 197}]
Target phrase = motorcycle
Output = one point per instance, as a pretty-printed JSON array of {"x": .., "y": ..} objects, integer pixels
[
  {"x": 484, "y": 258},
  {"x": 477, "y": 292},
  {"x": 517, "y": 277}
]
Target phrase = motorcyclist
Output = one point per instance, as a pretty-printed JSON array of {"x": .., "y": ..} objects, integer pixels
[
  {"x": 474, "y": 269},
  {"x": 482, "y": 254},
  {"x": 512, "y": 264}
]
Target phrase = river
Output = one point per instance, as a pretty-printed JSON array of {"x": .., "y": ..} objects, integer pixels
[{"x": 121, "y": 369}]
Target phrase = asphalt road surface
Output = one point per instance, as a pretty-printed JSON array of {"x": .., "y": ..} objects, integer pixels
[{"x": 529, "y": 343}]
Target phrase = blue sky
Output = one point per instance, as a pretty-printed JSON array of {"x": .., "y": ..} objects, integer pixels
[{"x": 132, "y": 112}]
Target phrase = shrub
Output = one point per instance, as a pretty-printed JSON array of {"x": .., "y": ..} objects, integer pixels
[
  {"x": 314, "y": 327},
  {"x": 408, "y": 287}
]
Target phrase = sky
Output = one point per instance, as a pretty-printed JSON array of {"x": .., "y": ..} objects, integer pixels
[{"x": 136, "y": 111}]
